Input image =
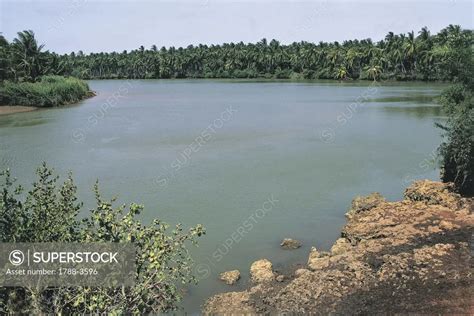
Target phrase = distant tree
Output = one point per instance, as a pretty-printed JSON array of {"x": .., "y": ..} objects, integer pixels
[
  {"x": 374, "y": 72},
  {"x": 27, "y": 55},
  {"x": 398, "y": 56},
  {"x": 341, "y": 73},
  {"x": 5, "y": 59}
]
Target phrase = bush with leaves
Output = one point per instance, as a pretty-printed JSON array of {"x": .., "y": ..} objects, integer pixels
[
  {"x": 457, "y": 149},
  {"x": 49, "y": 213}
]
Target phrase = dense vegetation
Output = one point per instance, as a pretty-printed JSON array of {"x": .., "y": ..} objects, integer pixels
[
  {"x": 397, "y": 56},
  {"x": 24, "y": 81},
  {"x": 49, "y": 212},
  {"x": 457, "y": 150},
  {"x": 48, "y": 91}
]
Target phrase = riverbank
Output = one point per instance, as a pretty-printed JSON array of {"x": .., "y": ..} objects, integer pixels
[
  {"x": 411, "y": 256},
  {"x": 49, "y": 91},
  {"x": 11, "y": 109}
]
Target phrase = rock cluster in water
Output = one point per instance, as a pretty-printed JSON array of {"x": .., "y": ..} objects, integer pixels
[
  {"x": 289, "y": 244},
  {"x": 411, "y": 256},
  {"x": 262, "y": 271},
  {"x": 230, "y": 277}
]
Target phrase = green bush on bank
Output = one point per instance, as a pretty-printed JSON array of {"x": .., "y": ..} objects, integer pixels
[
  {"x": 50, "y": 212},
  {"x": 49, "y": 91},
  {"x": 457, "y": 149}
]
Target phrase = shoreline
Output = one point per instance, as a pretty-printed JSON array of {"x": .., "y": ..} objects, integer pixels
[
  {"x": 409, "y": 256},
  {"x": 263, "y": 79},
  {"x": 13, "y": 109}
]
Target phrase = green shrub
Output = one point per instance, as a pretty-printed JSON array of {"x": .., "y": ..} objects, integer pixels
[
  {"x": 457, "y": 150},
  {"x": 283, "y": 74},
  {"x": 49, "y": 91},
  {"x": 49, "y": 213}
]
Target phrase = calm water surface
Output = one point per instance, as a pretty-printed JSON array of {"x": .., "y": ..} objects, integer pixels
[{"x": 213, "y": 152}]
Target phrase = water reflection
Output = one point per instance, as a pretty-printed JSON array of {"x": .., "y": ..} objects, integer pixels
[
  {"x": 21, "y": 120},
  {"x": 415, "y": 111}
]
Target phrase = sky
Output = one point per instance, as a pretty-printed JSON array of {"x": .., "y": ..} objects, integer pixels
[{"x": 107, "y": 25}]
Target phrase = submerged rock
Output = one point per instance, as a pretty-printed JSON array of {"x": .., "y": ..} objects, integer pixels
[
  {"x": 289, "y": 243},
  {"x": 230, "y": 277},
  {"x": 262, "y": 271}
]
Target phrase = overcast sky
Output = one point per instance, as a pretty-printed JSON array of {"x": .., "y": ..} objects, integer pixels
[{"x": 106, "y": 25}]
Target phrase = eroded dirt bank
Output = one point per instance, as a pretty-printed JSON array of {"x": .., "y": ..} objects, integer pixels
[
  {"x": 11, "y": 109},
  {"x": 412, "y": 256}
]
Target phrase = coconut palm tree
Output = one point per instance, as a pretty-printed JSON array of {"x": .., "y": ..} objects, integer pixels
[
  {"x": 374, "y": 71},
  {"x": 402, "y": 56},
  {"x": 27, "y": 55},
  {"x": 341, "y": 73}
]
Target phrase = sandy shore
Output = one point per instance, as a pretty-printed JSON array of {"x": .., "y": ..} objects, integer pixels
[{"x": 10, "y": 109}]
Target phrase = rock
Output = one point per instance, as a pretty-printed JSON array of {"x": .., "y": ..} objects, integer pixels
[
  {"x": 229, "y": 303},
  {"x": 318, "y": 263},
  {"x": 257, "y": 289},
  {"x": 410, "y": 256},
  {"x": 317, "y": 260},
  {"x": 364, "y": 203},
  {"x": 230, "y": 277},
  {"x": 314, "y": 253},
  {"x": 301, "y": 272},
  {"x": 280, "y": 278},
  {"x": 446, "y": 225},
  {"x": 433, "y": 193},
  {"x": 289, "y": 243},
  {"x": 262, "y": 271},
  {"x": 340, "y": 246}
]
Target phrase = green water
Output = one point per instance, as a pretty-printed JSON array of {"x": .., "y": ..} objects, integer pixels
[{"x": 213, "y": 152}]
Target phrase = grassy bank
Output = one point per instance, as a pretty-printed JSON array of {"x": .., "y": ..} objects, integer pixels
[{"x": 49, "y": 91}]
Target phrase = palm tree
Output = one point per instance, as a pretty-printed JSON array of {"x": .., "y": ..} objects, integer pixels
[
  {"x": 27, "y": 54},
  {"x": 5, "y": 62},
  {"x": 374, "y": 71},
  {"x": 410, "y": 48},
  {"x": 426, "y": 56},
  {"x": 341, "y": 73}
]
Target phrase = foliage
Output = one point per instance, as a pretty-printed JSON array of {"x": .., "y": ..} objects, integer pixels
[
  {"x": 25, "y": 58},
  {"x": 50, "y": 91},
  {"x": 49, "y": 212},
  {"x": 457, "y": 150},
  {"x": 400, "y": 57}
]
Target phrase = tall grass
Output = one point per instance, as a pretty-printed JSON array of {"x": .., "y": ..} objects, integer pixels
[{"x": 50, "y": 91}]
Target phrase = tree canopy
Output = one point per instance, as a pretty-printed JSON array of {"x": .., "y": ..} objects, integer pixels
[{"x": 412, "y": 56}]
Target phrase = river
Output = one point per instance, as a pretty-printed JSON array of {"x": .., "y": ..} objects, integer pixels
[{"x": 286, "y": 157}]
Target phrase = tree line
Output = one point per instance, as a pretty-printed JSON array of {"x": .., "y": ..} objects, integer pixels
[{"x": 411, "y": 56}]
